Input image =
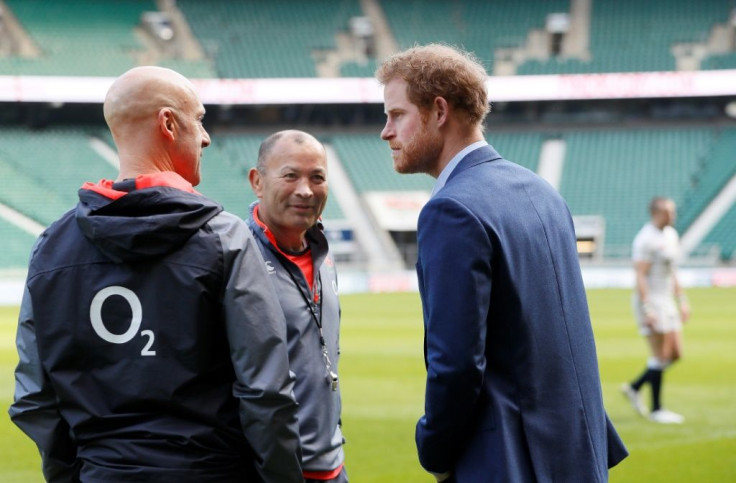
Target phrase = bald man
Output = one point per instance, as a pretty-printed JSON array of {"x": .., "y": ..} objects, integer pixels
[
  {"x": 290, "y": 180},
  {"x": 151, "y": 345}
]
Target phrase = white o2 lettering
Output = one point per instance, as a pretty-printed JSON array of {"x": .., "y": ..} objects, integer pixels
[
  {"x": 95, "y": 315},
  {"x": 147, "y": 349}
]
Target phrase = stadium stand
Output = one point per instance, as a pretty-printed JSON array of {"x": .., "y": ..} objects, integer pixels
[
  {"x": 723, "y": 235},
  {"x": 635, "y": 36},
  {"x": 521, "y": 147},
  {"x": 225, "y": 166},
  {"x": 16, "y": 245},
  {"x": 86, "y": 38},
  {"x": 714, "y": 169},
  {"x": 367, "y": 160},
  {"x": 282, "y": 39},
  {"x": 478, "y": 26},
  {"x": 47, "y": 168},
  {"x": 720, "y": 61},
  {"x": 609, "y": 170},
  {"x": 270, "y": 39},
  {"x": 354, "y": 69},
  {"x": 24, "y": 195},
  {"x": 614, "y": 173}
]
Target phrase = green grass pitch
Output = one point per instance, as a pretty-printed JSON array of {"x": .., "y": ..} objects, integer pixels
[{"x": 382, "y": 377}]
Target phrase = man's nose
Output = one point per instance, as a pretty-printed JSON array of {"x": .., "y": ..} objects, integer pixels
[
  {"x": 303, "y": 188},
  {"x": 387, "y": 132}
]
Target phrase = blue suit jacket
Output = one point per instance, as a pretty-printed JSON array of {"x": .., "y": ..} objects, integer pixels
[{"x": 513, "y": 390}]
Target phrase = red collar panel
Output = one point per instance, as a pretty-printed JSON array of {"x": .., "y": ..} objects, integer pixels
[{"x": 164, "y": 178}]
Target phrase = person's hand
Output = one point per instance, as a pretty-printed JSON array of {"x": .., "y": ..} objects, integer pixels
[
  {"x": 684, "y": 311},
  {"x": 442, "y": 476},
  {"x": 650, "y": 316},
  {"x": 684, "y": 308}
]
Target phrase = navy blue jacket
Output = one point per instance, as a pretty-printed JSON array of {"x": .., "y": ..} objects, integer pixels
[
  {"x": 152, "y": 346},
  {"x": 513, "y": 390}
]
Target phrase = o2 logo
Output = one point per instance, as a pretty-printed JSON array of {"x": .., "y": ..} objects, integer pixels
[{"x": 95, "y": 314}]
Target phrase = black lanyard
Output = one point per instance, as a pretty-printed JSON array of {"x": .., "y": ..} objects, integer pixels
[
  {"x": 331, "y": 376},
  {"x": 310, "y": 304}
]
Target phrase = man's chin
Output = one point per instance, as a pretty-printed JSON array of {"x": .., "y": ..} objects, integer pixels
[
  {"x": 402, "y": 168},
  {"x": 302, "y": 223},
  {"x": 406, "y": 169}
]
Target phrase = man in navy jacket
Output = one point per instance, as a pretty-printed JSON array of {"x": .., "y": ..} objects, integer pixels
[
  {"x": 152, "y": 346},
  {"x": 513, "y": 390}
]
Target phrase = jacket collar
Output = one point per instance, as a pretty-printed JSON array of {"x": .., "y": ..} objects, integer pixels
[
  {"x": 315, "y": 237},
  {"x": 483, "y": 154}
]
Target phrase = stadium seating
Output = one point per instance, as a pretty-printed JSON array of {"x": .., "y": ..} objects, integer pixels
[
  {"x": 477, "y": 26},
  {"x": 354, "y": 69},
  {"x": 225, "y": 166},
  {"x": 609, "y": 170},
  {"x": 521, "y": 147},
  {"x": 721, "y": 61},
  {"x": 636, "y": 36},
  {"x": 267, "y": 39},
  {"x": 42, "y": 172},
  {"x": 16, "y": 245},
  {"x": 47, "y": 168},
  {"x": 714, "y": 169},
  {"x": 279, "y": 39},
  {"x": 367, "y": 161},
  {"x": 23, "y": 194},
  {"x": 723, "y": 235},
  {"x": 615, "y": 173},
  {"x": 85, "y": 37}
]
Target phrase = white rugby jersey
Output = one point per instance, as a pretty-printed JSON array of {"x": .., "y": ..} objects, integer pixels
[{"x": 661, "y": 249}]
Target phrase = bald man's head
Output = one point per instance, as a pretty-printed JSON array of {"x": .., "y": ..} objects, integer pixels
[
  {"x": 155, "y": 117},
  {"x": 142, "y": 91}
]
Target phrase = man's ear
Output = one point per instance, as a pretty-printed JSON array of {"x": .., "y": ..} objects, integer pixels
[
  {"x": 167, "y": 123},
  {"x": 254, "y": 176},
  {"x": 440, "y": 110}
]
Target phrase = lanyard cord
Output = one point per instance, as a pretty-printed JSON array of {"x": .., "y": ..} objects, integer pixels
[
  {"x": 331, "y": 375},
  {"x": 317, "y": 320}
]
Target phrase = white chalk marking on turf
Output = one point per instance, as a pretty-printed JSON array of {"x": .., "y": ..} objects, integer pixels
[{"x": 670, "y": 442}]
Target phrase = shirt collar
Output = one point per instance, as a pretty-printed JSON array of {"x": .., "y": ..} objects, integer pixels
[{"x": 447, "y": 171}]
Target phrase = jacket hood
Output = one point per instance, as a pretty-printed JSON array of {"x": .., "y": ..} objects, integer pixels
[{"x": 152, "y": 216}]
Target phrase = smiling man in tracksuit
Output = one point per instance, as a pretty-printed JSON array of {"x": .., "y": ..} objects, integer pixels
[
  {"x": 290, "y": 180},
  {"x": 152, "y": 347}
]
